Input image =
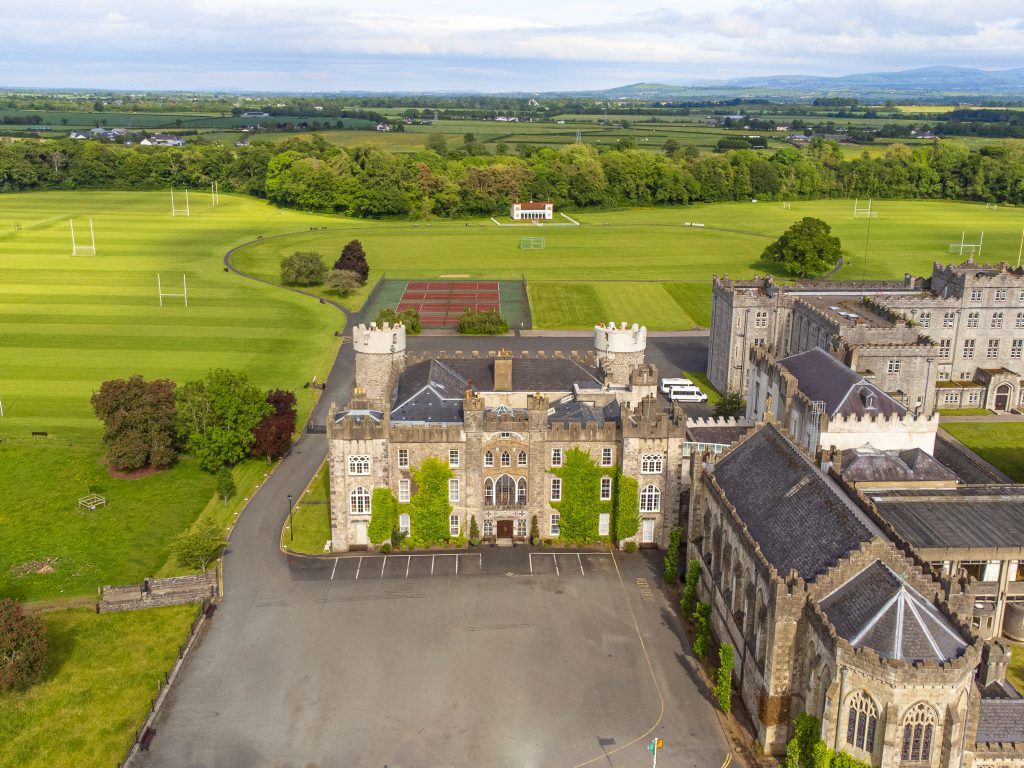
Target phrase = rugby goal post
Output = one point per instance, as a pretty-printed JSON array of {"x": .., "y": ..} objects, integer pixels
[
  {"x": 864, "y": 212},
  {"x": 82, "y": 250},
  {"x": 963, "y": 247},
  {"x": 531, "y": 243},
  {"x": 179, "y": 211},
  {"x": 161, "y": 295}
]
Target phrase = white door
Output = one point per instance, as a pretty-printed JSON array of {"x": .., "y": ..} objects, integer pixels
[
  {"x": 647, "y": 536},
  {"x": 360, "y": 533}
]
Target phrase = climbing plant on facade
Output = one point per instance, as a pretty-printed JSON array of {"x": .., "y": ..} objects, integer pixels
[
  {"x": 627, "y": 507},
  {"x": 383, "y": 515},
  {"x": 688, "y": 602},
  {"x": 581, "y": 505},
  {"x": 429, "y": 508}
]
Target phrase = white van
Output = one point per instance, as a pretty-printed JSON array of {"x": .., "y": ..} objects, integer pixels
[
  {"x": 687, "y": 394},
  {"x": 668, "y": 384}
]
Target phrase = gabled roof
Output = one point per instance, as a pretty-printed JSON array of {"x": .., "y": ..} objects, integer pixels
[
  {"x": 571, "y": 409},
  {"x": 532, "y": 206},
  {"x": 877, "y": 609},
  {"x": 1001, "y": 714},
  {"x": 791, "y": 509},
  {"x": 844, "y": 391}
]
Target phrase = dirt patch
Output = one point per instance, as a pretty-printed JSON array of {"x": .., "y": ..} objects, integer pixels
[
  {"x": 137, "y": 474},
  {"x": 35, "y": 566}
]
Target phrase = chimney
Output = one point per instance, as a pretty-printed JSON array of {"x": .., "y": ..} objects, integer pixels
[
  {"x": 503, "y": 371},
  {"x": 995, "y": 658}
]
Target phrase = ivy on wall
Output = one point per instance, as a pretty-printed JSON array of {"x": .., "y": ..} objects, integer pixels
[
  {"x": 627, "y": 507},
  {"x": 806, "y": 749},
  {"x": 581, "y": 503},
  {"x": 383, "y": 515},
  {"x": 429, "y": 508}
]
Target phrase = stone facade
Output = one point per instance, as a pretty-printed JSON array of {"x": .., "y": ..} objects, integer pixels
[
  {"x": 499, "y": 438},
  {"x": 962, "y": 325}
]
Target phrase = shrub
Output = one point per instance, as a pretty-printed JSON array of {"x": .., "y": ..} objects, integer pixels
[
  {"x": 385, "y": 548},
  {"x": 534, "y": 531},
  {"x": 22, "y": 647},
  {"x": 474, "y": 531},
  {"x": 688, "y": 602},
  {"x": 672, "y": 556},
  {"x": 731, "y": 404},
  {"x": 806, "y": 749},
  {"x": 482, "y": 323},
  {"x": 630, "y": 546},
  {"x": 702, "y": 618},
  {"x": 410, "y": 318},
  {"x": 303, "y": 268},
  {"x": 723, "y": 677},
  {"x": 383, "y": 516}
]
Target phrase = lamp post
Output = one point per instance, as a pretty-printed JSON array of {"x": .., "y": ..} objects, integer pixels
[{"x": 291, "y": 523}]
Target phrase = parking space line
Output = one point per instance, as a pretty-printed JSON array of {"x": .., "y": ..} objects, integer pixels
[
  {"x": 360, "y": 565},
  {"x": 457, "y": 565},
  {"x": 335, "y": 567},
  {"x": 383, "y": 565},
  {"x": 432, "y": 565},
  {"x": 408, "y": 562},
  {"x": 531, "y": 563},
  {"x": 554, "y": 556},
  {"x": 581, "y": 564}
]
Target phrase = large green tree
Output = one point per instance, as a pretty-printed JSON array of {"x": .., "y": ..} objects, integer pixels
[
  {"x": 808, "y": 248},
  {"x": 217, "y": 417},
  {"x": 303, "y": 268},
  {"x": 138, "y": 418},
  {"x": 22, "y": 647}
]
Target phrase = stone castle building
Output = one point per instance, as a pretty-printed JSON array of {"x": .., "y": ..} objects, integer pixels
[
  {"x": 829, "y": 616},
  {"x": 501, "y": 422},
  {"x": 951, "y": 340}
]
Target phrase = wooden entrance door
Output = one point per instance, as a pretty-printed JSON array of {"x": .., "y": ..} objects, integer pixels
[
  {"x": 1003, "y": 397},
  {"x": 504, "y": 529}
]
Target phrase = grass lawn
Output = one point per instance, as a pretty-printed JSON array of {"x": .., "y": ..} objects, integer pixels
[
  {"x": 964, "y": 412},
  {"x": 1015, "y": 673},
  {"x": 629, "y": 248},
  {"x": 102, "y": 673},
  {"x": 1000, "y": 444},
  {"x": 311, "y": 517},
  {"x": 701, "y": 380}
]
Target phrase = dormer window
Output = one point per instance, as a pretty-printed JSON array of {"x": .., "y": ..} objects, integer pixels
[{"x": 869, "y": 399}]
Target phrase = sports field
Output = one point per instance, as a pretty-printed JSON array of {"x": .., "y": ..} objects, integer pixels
[{"x": 647, "y": 265}]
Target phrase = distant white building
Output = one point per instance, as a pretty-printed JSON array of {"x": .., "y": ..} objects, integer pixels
[
  {"x": 163, "y": 140},
  {"x": 532, "y": 211}
]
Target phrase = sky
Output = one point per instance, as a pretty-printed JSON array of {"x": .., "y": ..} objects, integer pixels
[{"x": 412, "y": 45}]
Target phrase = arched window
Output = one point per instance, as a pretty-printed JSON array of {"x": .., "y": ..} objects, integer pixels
[
  {"x": 522, "y": 459},
  {"x": 506, "y": 459},
  {"x": 488, "y": 459},
  {"x": 521, "y": 492},
  {"x": 403, "y": 523},
  {"x": 918, "y": 734},
  {"x": 861, "y": 722},
  {"x": 359, "y": 465},
  {"x": 505, "y": 491},
  {"x": 488, "y": 492},
  {"x": 650, "y": 499},
  {"x": 359, "y": 501}
]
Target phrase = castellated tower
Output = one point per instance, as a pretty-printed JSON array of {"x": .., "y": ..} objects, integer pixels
[
  {"x": 620, "y": 350},
  {"x": 380, "y": 355}
]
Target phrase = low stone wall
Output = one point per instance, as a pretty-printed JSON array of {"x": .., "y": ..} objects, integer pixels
[{"x": 154, "y": 593}]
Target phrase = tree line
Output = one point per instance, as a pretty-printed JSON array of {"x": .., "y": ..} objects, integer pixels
[{"x": 466, "y": 180}]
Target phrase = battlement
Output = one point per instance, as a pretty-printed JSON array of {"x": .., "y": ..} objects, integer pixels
[
  {"x": 588, "y": 358},
  {"x": 644, "y": 376},
  {"x": 385, "y": 340},
  {"x": 612, "y": 339}
]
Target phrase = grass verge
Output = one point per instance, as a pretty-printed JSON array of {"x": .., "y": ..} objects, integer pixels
[
  {"x": 87, "y": 709},
  {"x": 999, "y": 443},
  {"x": 311, "y": 517}
]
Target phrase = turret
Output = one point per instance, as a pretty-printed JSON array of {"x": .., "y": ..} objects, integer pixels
[
  {"x": 620, "y": 350},
  {"x": 380, "y": 355}
]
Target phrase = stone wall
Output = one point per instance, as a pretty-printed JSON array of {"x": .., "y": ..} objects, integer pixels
[{"x": 155, "y": 593}]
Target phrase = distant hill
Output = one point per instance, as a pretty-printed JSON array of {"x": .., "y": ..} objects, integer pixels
[{"x": 937, "y": 81}]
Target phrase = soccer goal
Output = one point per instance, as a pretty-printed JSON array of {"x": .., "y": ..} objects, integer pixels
[
  {"x": 531, "y": 243},
  {"x": 864, "y": 212},
  {"x": 82, "y": 250}
]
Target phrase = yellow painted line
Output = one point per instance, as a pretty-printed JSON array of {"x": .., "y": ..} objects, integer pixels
[
  {"x": 650, "y": 668},
  {"x": 728, "y": 759}
]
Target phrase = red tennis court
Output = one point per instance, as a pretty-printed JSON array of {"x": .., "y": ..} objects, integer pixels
[{"x": 441, "y": 302}]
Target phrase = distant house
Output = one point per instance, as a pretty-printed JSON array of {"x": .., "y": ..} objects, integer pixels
[
  {"x": 383, "y": 127},
  {"x": 256, "y": 114},
  {"x": 916, "y": 134},
  {"x": 532, "y": 211},
  {"x": 79, "y": 135},
  {"x": 163, "y": 140}
]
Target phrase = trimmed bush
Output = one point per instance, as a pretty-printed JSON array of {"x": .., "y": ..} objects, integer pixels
[
  {"x": 474, "y": 531},
  {"x": 672, "y": 556},
  {"x": 629, "y": 546},
  {"x": 723, "y": 677},
  {"x": 688, "y": 602},
  {"x": 485, "y": 323},
  {"x": 410, "y": 318},
  {"x": 702, "y": 618}
]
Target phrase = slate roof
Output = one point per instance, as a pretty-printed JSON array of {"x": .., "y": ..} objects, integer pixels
[
  {"x": 789, "y": 506},
  {"x": 844, "y": 391},
  {"x": 1000, "y": 720},
  {"x": 868, "y": 464},
  {"x": 571, "y": 409},
  {"x": 721, "y": 435},
  {"x": 983, "y": 516},
  {"x": 877, "y": 609},
  {"x": 433, "y": 391}
]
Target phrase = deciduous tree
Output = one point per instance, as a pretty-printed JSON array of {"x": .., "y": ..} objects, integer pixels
[
  {"x": 200, "y": 546},
  {"x": 353, "y": 259},
  {"x": 303, "y": 268},
  {"x": 138, "y": 418},
  {"x": 807, "y": 248},
  {"x": 22, "y": 647},
  {"x": 273, "y": 435}
]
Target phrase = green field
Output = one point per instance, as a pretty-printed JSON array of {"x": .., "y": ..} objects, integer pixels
[
  {"x": 1000, "y": 444},
  {"x": 102, "y": 672},
  {"x": 647, "y": 265}
]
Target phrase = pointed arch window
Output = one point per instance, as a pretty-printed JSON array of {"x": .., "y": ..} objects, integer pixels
[
  {"x": 521, "y": 492},
  {"x": 861, "y": 722},
  {"x": 918, "y": 734},
  {"x": 488, "y": 459},
  {"x": 505, "y": 491},
  {"x": 506, "y": 459},
  {"x": 488, "y": 492},
  {"x": 521, "y": 461}
]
